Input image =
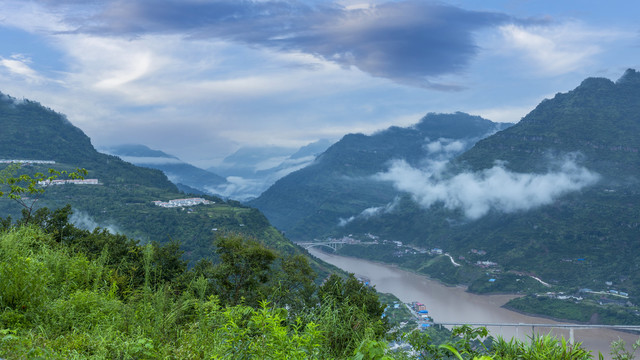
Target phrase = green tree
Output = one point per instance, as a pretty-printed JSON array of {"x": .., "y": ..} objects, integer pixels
[
  {"x": 292, "y": 285},
  {"x": 17, "y": 185},
  {"x": 244, "y": 269},
  {"x": 349, "y": 313}
]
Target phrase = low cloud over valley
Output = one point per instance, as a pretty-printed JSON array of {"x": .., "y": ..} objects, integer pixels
[{"x": 477, "y": 193}]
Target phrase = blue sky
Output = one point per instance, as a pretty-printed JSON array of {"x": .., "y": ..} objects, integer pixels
[{"x": 200, "y": 78}]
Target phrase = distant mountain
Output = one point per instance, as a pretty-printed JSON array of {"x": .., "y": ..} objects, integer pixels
[
  {"x": 246, "y": 161},
  {"x": 339, "y": 185},
  {"x": 186, "y": 176},
  {"x": 251, "y": 170},
  {"x": 555, "y": 195},
  {"x": 138, "y": 151}
]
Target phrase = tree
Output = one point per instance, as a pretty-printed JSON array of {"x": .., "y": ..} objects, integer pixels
[
  {"x": 293, "y": 285},
  {"x": 32, "y": 185},
  {"x": 350, "y": 313},
  {"x": 243, "y": 271}
]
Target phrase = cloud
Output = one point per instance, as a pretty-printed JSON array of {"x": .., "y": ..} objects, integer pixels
[
  {"x": 370, "y": 212},
  {"x": 252, "y": 185},
  {"x": 477, "y": 193},
  {"x": 556, "y": 49},
  {"x": 411, "y": 42},
  {"x": 445, "y": 147},
  {"x": 19, "y": 65},
  {"x": 239, "y": 188}
]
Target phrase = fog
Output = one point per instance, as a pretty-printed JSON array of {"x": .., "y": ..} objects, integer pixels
[
  {"x": 496, "y": 188},
  {"x": 371, "y": 212},
  {"x": 82, "y": 220}
]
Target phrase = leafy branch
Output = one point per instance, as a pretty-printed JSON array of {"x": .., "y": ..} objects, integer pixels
[{"x": 31, "y": 185}]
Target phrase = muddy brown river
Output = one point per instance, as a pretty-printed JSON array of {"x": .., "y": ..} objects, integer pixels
[{"x": 454, "y": 304}]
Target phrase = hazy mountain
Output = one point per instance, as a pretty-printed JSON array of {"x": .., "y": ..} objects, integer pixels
[
  {"x": 186, "y": 176},
  {"x": 251, "y": 170},
  {"x": 555, "y": 195},
  {"x": 316, "y": 199}
]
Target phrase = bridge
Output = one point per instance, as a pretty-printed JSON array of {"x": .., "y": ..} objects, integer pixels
[
  {"x": 333, "y": 244},
  {"x": 570, "y": 327}
]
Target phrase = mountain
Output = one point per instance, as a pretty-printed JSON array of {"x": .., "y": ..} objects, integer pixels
[
  {"x": 186, "y": 176},
  {"x": 251, "y": 170},
  {"x": 555, "y": 196},
  {"x": 600, "y": 119},
  {"x": 127, "y": 197},
  {"x": 34, "y": 132},
  {"x": 319, "y": 198}
]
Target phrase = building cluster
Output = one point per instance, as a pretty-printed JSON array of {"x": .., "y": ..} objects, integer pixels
[
  {"x": 424, "y": 320},
  {"x": 485, "y": 264},
  {"x": 69, "y": 181},
  {"x": 27, "y": 162},
  {"x": 417, "y": 307},
  {"x": 182, "y": 202}
]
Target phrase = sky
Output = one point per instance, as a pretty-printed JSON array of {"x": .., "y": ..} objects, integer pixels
[{"x": 199, "y": 79}]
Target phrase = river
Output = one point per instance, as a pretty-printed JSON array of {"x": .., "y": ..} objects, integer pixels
[{"x": 454, "y": 304}]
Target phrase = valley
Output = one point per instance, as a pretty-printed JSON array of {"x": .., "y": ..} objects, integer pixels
[
  {"x": 533, "y": 215},
  {"x": 553, "y": 197}
]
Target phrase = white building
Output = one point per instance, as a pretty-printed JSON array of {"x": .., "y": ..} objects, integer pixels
[{"x": 182, "y": 202}]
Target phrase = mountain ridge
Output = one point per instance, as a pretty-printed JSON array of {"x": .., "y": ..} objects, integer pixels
[
  {"x": 584, "y": 237},
  {"x": 311, "y": 200}
]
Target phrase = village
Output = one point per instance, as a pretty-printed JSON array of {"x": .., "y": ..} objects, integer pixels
[{"x": 182, "y": 202}]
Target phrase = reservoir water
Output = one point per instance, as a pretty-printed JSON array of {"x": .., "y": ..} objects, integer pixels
[{"x": 454, "y": 304}]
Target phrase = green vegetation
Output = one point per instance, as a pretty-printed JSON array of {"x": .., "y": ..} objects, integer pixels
[
  {"x": 69, "y": 293},
  {"x": 586, "y": 311},
  {"x": 80, "y": 294}
]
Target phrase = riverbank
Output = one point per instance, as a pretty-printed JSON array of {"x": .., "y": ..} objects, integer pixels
[
  {"x": 453, "y": 304},
  {"x": 485, "y": 277}
]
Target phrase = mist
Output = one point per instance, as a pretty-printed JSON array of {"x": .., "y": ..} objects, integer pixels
[
  {"x": 82, "y": 220},
  {"x": 370, "y": 212},
  {"x": 477, "y": 193}
]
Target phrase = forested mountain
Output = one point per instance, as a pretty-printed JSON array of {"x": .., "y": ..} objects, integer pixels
[
  {"x": 313, "y": 201},
  {"x": 188, "y": 178},
  {"x": 555, "y": 195},
  {"x": 33, "y": 132},
  {"x": 600, "y": 119},
  {"x": 123, "y": 199}
]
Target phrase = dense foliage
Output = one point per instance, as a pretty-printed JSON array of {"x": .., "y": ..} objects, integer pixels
[{"x": 70, "y": 293}]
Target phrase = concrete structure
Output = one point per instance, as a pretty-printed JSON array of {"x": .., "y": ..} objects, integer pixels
[
  {"x": 27, "y": 162},
  {"x": 182, "y": 202},
  {"x": 69, "y": 181}
]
